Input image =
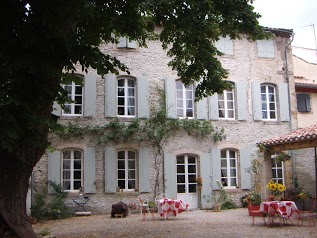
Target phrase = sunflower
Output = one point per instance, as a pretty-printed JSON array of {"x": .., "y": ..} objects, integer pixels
[{"x": 281, "y": 187}]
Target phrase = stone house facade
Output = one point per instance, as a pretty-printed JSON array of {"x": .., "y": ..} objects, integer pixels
[{"x": 261, "y": 105}]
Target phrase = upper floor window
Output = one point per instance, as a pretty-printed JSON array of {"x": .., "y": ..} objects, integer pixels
[
  {"x": 184, "y": 100},
  {"x": 303, "y": 102},
  {"x": 229, "y": 168},
  {"x": 268, "y": 100},
  {"x": 124, "y": 42},
  {"x": 126, "y": 97},
  {"x": 265, "y": 48},
  {"x": 75, "y": 105},
  {"x": 72, "y": 170},
  {"x": 126, "y": 170},
  {"x": 226, "y": 104},
  {"x": 225, "y": 45}
]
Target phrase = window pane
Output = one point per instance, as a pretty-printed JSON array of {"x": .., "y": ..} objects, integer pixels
[
  {"x": 121, "y": 184},
  {"x": 79, "y": 90},
  {"x": 121, "y": 92},
  {"x": 192, "y": 188},
  {"x": 189, "y": 95},
  {"x": 68, "y": 89},
  {"x": 221, "y": 96},
  {"x": 77, "y": 175},
  {"x": 130, "y": 83},
  {"x": 179, "y": 85},
  {"x": 131, "y": 101},
  {"x": 180, "y": 169},
  {"x": 77, "y": 185},
  {"x": 272, "y": 115},
  {"x": 221, "y": 113},
  {"x": 121, "y": 82},
  {"x": 233, "y": 173},
  {"x": 131, "y": 155},
  {"x": 192, "y": 178},
  {"x": 224, "y": 182},
  {"x": 66, "y": 164},
  {"x": 66, "y": 174},
  {"x": 78, "y": 109},
  {"x": 121, "y": 155},
  {"x": 180, "y": 178},
  {"x": 121, "y": 174},
  {"x": 66, "y": 154},
  {"x": 224, "y": 172},
  {"x": 131, "y": 174},
  {"x": 180, "y": 160},
  {"x": 232, "y": 163},
  {"x": 270, "y": 89},
  {"x": 230, "y": 105},
  {"x": 78, "y": 99},
  {"x": 230, "y": 114},
  {"x": 230, "y": 96},
  {"x": 131, "y": 184},
  {"x": 120, "y": 111},
  {"x": 232, "y": 154},
  {"x": 233, "y": 182},
  {"x": 67, "y": 109},
  {"x": 77, "y": 154},
  {"x": 223, "y": 154},
  {"x": 120, "y": 164},
  {"x": 223, "y": 163},
  {"x": 191, "y": 168},
  {"x": 66, "y": 185},
  {"x": 180, "y": 188},
  {"x": 131, "y": 164},
  {"x": 189, "y": 113},
  {"x": 120, "y": 101},
  {"x": 221, "y": 104},
  {"x": 131, "y": 111},
  {"x": 77, "y": 164}
]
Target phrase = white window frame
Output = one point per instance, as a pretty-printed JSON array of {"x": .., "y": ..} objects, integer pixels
[
  {"x": 72, "y": 169},
  {"x": 226, "y": 102},
  {"x": 126, "y": 97},
  {"x": 267, "y": 95},
  {"x": 227, "y": 178},
  {"x": 275, "y": 174},
  {"x": 124, "y": 42},
  {"x": 72, "y": 96},
  {"x": 126, "y": 170},
  {"x": 183, "y": 96},
  {"x": 266, "y": 48},
  {"x": 225, "y": 45}
]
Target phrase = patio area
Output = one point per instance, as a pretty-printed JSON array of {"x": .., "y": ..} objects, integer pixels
[{"x": 198, "y": 223}]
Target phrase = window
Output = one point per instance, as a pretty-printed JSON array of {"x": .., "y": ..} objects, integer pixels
[
  {"x": 226, "y": 104},
  {"x": 303, "y": 102},
  {"x": 75, "y": 105},
  {"x": 229, "y": 168},
  {"x": 225, "y": 45},
  {"x": 126, "y": 97},
  {"x": 265, "y": 48},
  {"x": 72, "y": 170},
  {"x": 127, "y": 170},
  {"x": 268, "y": 100},
  {"x": 124, "y": 42},
  {"x": 184, "y": 100},
  {"x": 278, "y": 172}
]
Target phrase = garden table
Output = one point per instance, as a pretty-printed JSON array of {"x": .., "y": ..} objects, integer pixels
[
  {"x": 171, "y": 207},
  {"x": 286, "y": 210}
]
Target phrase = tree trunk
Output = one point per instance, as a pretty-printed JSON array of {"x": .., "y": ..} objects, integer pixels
[{"x": 14, "y": 183}]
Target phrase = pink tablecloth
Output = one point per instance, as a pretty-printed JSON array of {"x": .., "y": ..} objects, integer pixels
[
  {"x": 171, "y": 207},
  {"x": 286, "y": 209}
]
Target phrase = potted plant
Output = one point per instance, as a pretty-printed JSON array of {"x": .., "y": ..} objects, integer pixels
[{"x": 276, "y": 190}]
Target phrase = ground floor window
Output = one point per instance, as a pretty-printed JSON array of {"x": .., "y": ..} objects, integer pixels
[
  {"x": 72, "y": 169},
  {"x": 229, "y": 168},
  {"x": 126, "y": 170},
  {"x": 278, "y": 172}
]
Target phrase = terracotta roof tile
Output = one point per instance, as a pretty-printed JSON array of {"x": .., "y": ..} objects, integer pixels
[{"x": 302, "y": 134}]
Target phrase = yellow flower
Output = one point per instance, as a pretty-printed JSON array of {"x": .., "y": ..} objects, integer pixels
[
  {"x": 280, "y": 187},
  {"x": 273, "y": 187}
]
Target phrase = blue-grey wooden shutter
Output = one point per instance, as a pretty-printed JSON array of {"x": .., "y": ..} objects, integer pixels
[
  {"x": 170, "y": 172},
  {"x": 170, "y": 91},
  {"x": 57, "y": 109},
  {"x": 90, "y": 95},
  {"x": 216, "y": 167},
  {"x": 54, "y": 168},
  {"x": 89, "y": 170},
  {"x": 284, "y": 102},
  {"x": 206, "y": 174},
  {"x": 201, "y": 107},
  {"x": 110, "y": 170},
  {"x": 303, "y": 102},
  {"x": 213, "y": 107},
  {"x": 110, "y": 95},
  {"x": 144, "y": 168},
  {"x": 242, "y": 106},
  {"x": 256, "y": 100},
  {"x": 143, "y": 97},
  {"x": 228, "y": 46},
  {"x": 245, "y": 162},
  {"x": 122, "y": 42},
  {"x": 132, "y": 44}
]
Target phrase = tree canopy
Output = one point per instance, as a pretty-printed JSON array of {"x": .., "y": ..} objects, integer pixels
[{"x": 42, "y": 40}]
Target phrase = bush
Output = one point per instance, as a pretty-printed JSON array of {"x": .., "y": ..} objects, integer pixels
[{"x": 54, "y": 208}]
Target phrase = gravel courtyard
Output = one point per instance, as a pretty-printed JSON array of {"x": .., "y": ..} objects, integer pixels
[{"x": 199, "y": 223}]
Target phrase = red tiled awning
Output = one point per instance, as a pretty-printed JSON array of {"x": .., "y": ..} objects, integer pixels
[{"x": 298, "y": 139}]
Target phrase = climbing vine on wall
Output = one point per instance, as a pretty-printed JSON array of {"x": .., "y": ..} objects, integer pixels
[{"x": 153, "y": 131}]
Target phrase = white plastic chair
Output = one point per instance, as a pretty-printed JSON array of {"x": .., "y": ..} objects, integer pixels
[{"x": 144, "y": 206}]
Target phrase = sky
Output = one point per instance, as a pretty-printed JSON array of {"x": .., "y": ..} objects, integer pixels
[{"x": 299, "y": 15}]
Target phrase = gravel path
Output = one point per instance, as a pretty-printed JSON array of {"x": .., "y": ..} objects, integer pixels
[{"x": 229, "y": 223}]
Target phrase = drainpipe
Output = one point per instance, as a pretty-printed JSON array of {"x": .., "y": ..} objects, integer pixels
[{"x": 289, "y": 106}]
